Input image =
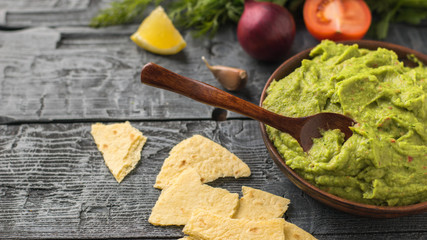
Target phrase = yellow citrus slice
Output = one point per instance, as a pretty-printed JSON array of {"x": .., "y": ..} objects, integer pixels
[{"x": 157, "y": 34}]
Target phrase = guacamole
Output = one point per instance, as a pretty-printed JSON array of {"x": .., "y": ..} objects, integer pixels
[{"x": 384, "y": 162}]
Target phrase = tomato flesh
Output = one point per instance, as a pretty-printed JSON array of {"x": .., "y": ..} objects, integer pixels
[{"x": 337, "y": 19}]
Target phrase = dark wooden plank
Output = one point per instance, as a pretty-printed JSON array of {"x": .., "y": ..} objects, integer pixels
[
  {"x": 30, "y": 13},
  {"x": 54, "y": 184},
  {"x": 83, "y": 73},
  {"x": 70, "y": 71},
  {"x": 92, "y": 75}
]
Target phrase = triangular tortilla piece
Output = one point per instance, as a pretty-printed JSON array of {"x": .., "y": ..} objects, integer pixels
[
  {"x": 177, "y": 202},
  {"x": 259, "y": 205},
  {"x": 209, "y": 226},
  {"x": 294, "y": 232},
  {"x": 210, "y": 160},
  {"x": 120, "y": 145}
]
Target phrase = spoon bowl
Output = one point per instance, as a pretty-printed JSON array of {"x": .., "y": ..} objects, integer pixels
[{"x": 302, "y": 129}]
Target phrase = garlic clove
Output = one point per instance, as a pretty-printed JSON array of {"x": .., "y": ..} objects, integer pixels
[{"x": 230, "y": 78}]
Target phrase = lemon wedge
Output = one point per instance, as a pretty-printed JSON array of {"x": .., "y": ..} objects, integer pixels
[{"x": 157, "y": 34}]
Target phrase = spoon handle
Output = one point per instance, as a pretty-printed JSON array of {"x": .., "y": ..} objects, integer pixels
[{"x": 157, "y": 76}]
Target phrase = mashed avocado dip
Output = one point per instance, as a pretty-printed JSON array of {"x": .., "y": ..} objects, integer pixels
[{"x": 385, "y": 161}]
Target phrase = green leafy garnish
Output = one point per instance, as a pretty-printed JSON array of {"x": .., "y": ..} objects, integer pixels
[
  {"x": 122, "y": 12},
  {"x": 207, "y": 16},
  {"x": 203, "y": 16},
  {"x": 407, "y": 11}
]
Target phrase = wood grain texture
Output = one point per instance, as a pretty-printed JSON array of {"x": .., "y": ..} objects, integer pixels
[
  {"x": 76, "y": 72},
  {"x": 93, "y": 76},
  {"x": 26, "y": 13},
  {"x": 65, "y": 70},
  {"x": 49, "y": 74},
  {"x": 54, "y": 184}
]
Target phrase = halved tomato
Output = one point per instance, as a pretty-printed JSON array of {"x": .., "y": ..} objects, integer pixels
[{"x": 337, "y": 19}]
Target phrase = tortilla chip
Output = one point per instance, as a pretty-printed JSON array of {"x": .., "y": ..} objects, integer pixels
[
  {"x": 207, "y": 225},
  {"x": 259, "y": 205},
  {"x": 177, "y": 202},
  {"x": 120, "y": 145},
  {"x": 294, "y": 232},
  {"x": 210, "y": 160}
]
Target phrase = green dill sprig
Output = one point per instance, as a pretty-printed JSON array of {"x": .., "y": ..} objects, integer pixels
[
  {"x": 121, "y": 12},
  {"x": 206, "y": 16}
]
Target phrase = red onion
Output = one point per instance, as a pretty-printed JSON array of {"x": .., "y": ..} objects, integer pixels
[{"x": 265, "y": 30}]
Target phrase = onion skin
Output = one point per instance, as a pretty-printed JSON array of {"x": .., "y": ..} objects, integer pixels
[{"x": 266, "y": 30}]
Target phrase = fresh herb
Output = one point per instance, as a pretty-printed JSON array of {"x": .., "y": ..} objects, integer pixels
[
  {"x": 122, "y": 12},
  {"x": 408, "y": 11},
  {"x": 203, "y": 16},
  {"x": 207, "y": 16}
]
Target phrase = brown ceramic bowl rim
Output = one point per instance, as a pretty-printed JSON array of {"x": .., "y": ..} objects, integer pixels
[{"x": 323, "y": 196}]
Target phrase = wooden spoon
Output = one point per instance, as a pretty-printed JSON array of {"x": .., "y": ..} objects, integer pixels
[{"x": 302, "y": 129}]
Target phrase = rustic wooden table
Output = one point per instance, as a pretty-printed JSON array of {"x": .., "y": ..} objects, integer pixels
[{"x": 58, "y": 76}]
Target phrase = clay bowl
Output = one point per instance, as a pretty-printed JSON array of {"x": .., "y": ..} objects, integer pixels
[{"x": 331, "y": 200}]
